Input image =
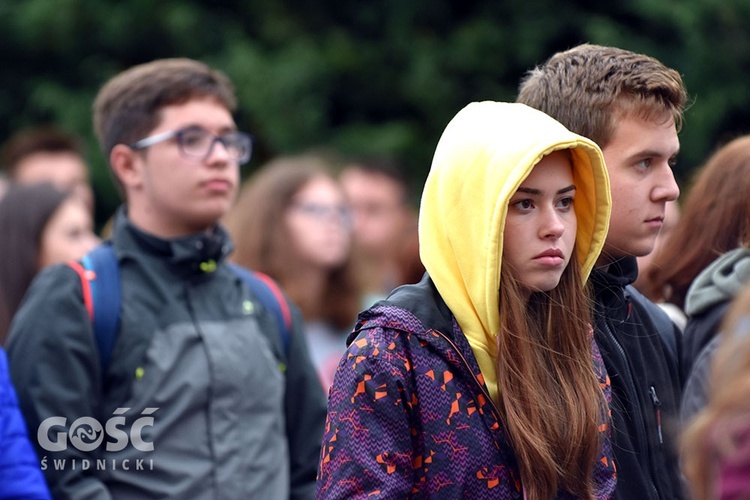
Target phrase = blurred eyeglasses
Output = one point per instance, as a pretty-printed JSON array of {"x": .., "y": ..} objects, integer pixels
[
  {"x": 198, "y": 143},
  {"x": 321, "y": 212}
]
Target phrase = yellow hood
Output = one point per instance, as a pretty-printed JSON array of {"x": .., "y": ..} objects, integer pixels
[{"x": 484, "y": 154}]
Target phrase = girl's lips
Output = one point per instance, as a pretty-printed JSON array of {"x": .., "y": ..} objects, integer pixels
[
  {"x": 552, "y": 252},
  {"x": 551, "y": 257},
  {"x": 549, "y": 260}
]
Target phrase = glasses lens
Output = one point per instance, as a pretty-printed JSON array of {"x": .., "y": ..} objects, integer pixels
[
  {"x": 321, "y": 212},
  {"x": 238, "y": 145},
  {"x": 195, "y": 141}
]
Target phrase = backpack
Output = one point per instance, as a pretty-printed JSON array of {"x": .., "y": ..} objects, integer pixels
[{"x": 100, "y": 283}]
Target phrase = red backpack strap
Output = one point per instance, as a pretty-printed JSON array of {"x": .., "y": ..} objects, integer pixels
[
  {"x": 279, "y": 295},
  {"x": 86, "y": 277}
]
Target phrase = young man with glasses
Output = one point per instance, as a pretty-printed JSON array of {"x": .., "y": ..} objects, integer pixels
[{"x": 200, "y": 398}]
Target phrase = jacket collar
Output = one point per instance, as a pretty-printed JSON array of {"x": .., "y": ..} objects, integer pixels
[
  {"x": 620, "y": 273},
  {"x": 420, "y": 299},
  {"x": 197, "y": 253}
]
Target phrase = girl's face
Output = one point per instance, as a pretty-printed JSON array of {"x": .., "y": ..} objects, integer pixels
[
  {"x": 320, "y": 223},
  {"x": 68, "y": 234},
  {"x": 540, "y": 229}
]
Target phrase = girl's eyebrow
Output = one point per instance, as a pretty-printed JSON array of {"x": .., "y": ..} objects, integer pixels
[{"x": 539, "y": 191}]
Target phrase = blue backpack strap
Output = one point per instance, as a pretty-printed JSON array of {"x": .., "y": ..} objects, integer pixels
[
  {"x": 106, "y": 298},
  {"x": 102, "y": 294},
  {"x": 268, "y": 293}
]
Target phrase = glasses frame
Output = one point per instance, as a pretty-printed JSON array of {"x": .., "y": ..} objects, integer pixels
[
  {"x": 321, "y": 212},
  {"x": 165, "y": 136}
]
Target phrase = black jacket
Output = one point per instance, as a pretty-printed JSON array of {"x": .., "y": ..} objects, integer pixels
[{"x": 645, "y": 387}]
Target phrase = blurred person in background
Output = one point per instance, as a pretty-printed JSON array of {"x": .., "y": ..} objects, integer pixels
[
  {"x": 293, "y": 222},
  {"x": 706, "y": 261},
  {"x": 646, "y": 262},
  {"x": 41, "y": 225},
  {"x": 20, "y": 473},
  {"x": 715, "y": 450},
  {"x": 385, "y": 226},
  {"x": 48, "y": 153}
]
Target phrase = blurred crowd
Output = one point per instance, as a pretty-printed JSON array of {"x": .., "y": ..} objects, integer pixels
[{"x": 340, "y": 234}]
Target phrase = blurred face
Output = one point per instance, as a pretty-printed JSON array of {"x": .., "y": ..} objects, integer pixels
[
  {"x": 171, "y": 194},
  {"x": 671, "y": 217},
  {"x": 639, "y": 160},
  {"x": 68, "y": 234},
  {"x": 65, "y": 170},
  {"x": 540, "y": 228},
  {"x": 319, "y": 220},
  {"x": 380, "y": 214}
]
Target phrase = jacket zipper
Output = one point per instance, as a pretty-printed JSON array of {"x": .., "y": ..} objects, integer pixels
[
  {"x": 642, "y": 437},
  {"x": 479, "y": 384},
  {"x": 657, "y": 405}
]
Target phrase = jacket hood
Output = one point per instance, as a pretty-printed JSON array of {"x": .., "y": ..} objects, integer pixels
[
  {"x": 719, "y": 282},
  {"x": 483, "y": 156}
]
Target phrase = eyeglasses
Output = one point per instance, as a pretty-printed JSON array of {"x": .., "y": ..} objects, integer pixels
[
  {"x": 198, "y": 143},
  {"x": 321, "y": 212}
]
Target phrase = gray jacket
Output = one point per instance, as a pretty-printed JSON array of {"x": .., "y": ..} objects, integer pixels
[
  {"x": 706, "y": 303},
  {"x": 200, "y": 400}
]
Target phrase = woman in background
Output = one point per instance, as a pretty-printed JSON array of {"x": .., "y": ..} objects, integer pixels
[
  {"x": 716, "y": 444},
  {"x": 41, "y": 225},
  {"x": 292, "y": 221}
]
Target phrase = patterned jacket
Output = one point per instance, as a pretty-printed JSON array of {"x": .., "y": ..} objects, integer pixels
[{"x": 409, "y": 414}]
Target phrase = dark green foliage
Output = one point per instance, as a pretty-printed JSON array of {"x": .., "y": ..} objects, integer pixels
[{"x": 375, "y": 77}]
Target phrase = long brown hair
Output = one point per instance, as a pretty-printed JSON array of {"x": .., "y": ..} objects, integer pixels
[
  {"x": 264, "y": 243},
  {"x": 25, "y": 211},
  {"x": 550, "y": 395},
  {"x": 715, "y": 219},
  {"x": 710, "y": 439}
]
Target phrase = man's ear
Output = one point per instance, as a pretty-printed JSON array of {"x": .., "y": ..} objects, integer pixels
[{"x": 127, "y": 165}]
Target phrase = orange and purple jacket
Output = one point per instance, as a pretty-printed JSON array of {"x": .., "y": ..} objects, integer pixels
[{"x": 409, "y": 414}]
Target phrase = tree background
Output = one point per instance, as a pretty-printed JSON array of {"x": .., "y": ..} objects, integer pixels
[{"x": 360, "y": 77}]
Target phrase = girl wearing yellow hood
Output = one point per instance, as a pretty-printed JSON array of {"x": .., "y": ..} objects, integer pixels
[{"x": 483, "y": 380}]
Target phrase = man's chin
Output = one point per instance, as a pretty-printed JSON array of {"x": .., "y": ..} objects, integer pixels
[{"x": 608, "y": 257}]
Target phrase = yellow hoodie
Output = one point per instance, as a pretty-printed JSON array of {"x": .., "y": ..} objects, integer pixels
[{"x": 483, "y": 156}]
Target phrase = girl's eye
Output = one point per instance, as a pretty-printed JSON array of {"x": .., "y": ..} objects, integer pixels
[
  {"x": 524, "y": 204},
  {"x": 566, "y": 202}
]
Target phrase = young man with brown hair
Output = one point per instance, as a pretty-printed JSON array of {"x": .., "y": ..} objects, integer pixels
[
  {"x": 201, "y": 399},
  {"x": 632, "y": 106}
]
